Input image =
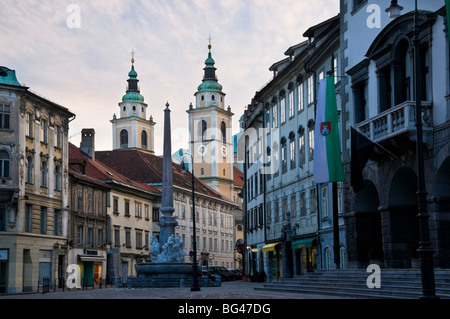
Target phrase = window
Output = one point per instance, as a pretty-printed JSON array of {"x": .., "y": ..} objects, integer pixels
[
  {"x": 44, "y": 131},
  {"x": 301, "y": 146},
  {"x": 80, "y": 235},
  {"x": 99, "y": 203},
  {"x": 29, "y": 170},
  {"x": 359, "y": 93},
  {"x": 124, "y": 139},
  {"x": 57, "y": 178},
  {"x": 139, "y": 239},
  {"x": 284, "y": 208},
  {"x": 99, "y": 237},
  {"x": 4, "y": 164},
  {"x": 303, "y": 204},
  {"x": 28, "y": 218},
  {"x": 43, "y": 221},
  {"x": 127, "y": 207},
  {"x": 155, "y": 214},
  {"x": 115, "y": 205},
  {"x": 275, "y": 159},
  {"x": 30, "y": 125},
  {"x": 310, "y": 89},
  {"x": 311, "y": 140},
  {"x": 90, "y": 202},
  {"x": 5, "y": 113},
  {"x": 276, "y": 212},
  {"x": 138, "y": 210},
  {"x": 283, "y": 110},
  {"x": 58, "y": 223},
  {"x": 335, "y": 70},
  {"x": 300, "y": 102},
  {"x": 274, "y": 116},
  {"x": 58, "y": 136},
  {"x": 80, "y": 199},
  {"x": 127, "y": 237},
  {"x": 293, "y": 206},
  {"x": 324, "y": 202},
  {"x": 312, "y": 201},
  {"x": 90, "y": 239},
  {"x": 292, "y": 150},
  {"x": 283, "y": 156},
  {"x": 202, "y": 129},
  {"x": 147, "y": 212},
  {"x": 144, "y": 139},
  {"x": 3, "y": 216},
  {"x": 291, "y": 104},
  {"x": 116, "y": 236},
  {"x": 44, "y": 171},
  {"x": 223, "y": 128}
]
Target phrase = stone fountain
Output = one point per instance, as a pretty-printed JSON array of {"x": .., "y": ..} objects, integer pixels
[{"x": 167, "y": 268}]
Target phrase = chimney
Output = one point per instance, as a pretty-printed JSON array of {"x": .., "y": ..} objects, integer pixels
[{"x": 87, "y": 145}]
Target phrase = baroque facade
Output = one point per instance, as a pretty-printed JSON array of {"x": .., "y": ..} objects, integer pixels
[
  {"x": 34, "y": 190},
  {"x": 379, "y": 102}
]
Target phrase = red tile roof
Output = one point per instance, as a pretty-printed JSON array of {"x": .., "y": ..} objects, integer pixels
[
  {"x": 238, "y": 177},
  {"x": 147, "y": 168},
  {"x": 98, "y": 170}
]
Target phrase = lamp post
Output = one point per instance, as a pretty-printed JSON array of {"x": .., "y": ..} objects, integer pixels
[
  {"x": 425, "y": 249},
  {"x": 195, "y": 286}
]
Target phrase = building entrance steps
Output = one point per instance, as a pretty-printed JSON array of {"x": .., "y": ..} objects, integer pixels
[{"x": 394, "y": 283}]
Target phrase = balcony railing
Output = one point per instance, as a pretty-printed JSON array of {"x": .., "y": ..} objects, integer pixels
[{"x": 397, "y": 120}]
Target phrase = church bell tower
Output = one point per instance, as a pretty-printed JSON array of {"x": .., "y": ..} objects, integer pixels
[
  {"x": 210, "y": 127},
  {"x": 131, "y": 129}
]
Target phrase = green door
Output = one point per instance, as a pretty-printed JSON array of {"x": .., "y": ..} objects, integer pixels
[{"x": 88, "y": 273}]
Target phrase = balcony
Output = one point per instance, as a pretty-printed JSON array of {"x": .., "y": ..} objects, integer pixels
[{"x": 395, "y": 128}]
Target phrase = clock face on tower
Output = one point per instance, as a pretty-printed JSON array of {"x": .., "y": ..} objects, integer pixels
[
  {"x": 224, "y": 150},
  {"x": 201, "y": 150}
]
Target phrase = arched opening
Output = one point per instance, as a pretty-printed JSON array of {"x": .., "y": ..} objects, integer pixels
[
  {"x": 443, "y": 214},
  {"x": 202, "y": 128},
  {"x": 223, "y": 129},
  {"x": 369, "y": 245},
  {"x": 144, "y": 140},
  {"x": 404, "y": 225},
  {"x": 124, "y": 139}
]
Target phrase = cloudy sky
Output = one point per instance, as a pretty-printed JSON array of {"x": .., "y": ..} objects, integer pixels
[{"x": 83, "y": 64}]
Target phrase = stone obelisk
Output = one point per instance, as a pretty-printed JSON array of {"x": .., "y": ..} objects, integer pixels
[{"x": 167, "y": 222}]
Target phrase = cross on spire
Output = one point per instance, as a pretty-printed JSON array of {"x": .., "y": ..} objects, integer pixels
[
  {"x": 209, "y": 39},
  {"x": 132, "y": 55}
]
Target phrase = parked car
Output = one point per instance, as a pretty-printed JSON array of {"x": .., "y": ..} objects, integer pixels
[
  {"x": 224, "y": 274},
  {"x": 238, "y": 273}
]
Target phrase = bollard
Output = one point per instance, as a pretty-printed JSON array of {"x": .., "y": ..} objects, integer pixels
[
  {"x": 117, "y": 281},
  {"x": 218, "y": 281},
  {"x": 182, "y": 283}
]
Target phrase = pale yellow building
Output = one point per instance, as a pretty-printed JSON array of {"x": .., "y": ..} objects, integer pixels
[{"x": 34, "y": 187}]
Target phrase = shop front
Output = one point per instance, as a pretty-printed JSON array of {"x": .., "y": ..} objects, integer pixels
[
  {"x": 305, "y": 255},
  {"x": 92, "y": 266},
  {"x": 273, "y": 255}
]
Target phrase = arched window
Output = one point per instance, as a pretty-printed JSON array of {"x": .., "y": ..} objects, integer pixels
[
  {"x": 202, "y": 127},
  {"x": 144, "y": 140},
  {"x": 4, "y": 164},
  {"x": 223, "y": 129},
  {"x": 124, "y": 139}
]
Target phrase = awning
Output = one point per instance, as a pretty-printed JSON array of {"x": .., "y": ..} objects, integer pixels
[
  {"x": 302, "y": 243},
  {"x": 91, "y": 258},
  {"x": 269, "y": 247}
]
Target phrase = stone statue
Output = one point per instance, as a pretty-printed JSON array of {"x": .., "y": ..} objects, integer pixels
[{"x": 171, "y": 252}]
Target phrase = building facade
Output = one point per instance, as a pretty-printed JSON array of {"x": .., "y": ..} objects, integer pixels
[
  {"x": 34, "y": 191},
  {"x": 287, "y": 227},
  {"x": 379, "y": 102}
]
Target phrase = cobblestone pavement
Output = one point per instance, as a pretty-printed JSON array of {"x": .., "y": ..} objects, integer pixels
[{"x": 228, "y": 290}]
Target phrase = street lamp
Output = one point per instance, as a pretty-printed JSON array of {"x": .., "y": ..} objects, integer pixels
[
  {"x": 195, "y": 286},
  {"x": 425, "y": 250}
]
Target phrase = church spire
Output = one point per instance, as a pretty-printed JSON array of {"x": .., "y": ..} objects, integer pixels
[
  {"x": 210, "y": 82},
  {"x": 132, "y": 93}
]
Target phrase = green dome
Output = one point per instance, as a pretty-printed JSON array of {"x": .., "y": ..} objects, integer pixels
[
  {"x": 133, "y": 97},
  {"x": 210, "y": 86},
  {"x": 132, "y": 73}
]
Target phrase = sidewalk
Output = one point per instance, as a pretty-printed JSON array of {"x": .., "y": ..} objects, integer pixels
[{"x": 228, "y": 290}]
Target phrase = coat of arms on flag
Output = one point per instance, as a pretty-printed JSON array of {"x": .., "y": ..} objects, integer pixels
[{"x": 325, "y": 128}]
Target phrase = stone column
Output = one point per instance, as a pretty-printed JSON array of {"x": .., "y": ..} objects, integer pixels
[{"x": 167, "y": 222}]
